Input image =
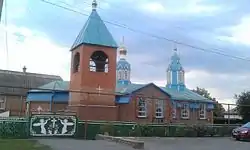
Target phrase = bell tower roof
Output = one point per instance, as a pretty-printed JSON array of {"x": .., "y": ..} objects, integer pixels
[
  {"x": 95, "y": 32},
  {"x": 175, "y": 62}
]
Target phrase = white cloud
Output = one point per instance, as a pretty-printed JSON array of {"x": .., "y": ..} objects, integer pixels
[
  {"x": 178, "y": 7},
  {"x": 154, "y": 7},
  {"x": 239, "y": 33},
  {"x": 35, "y": 51}
]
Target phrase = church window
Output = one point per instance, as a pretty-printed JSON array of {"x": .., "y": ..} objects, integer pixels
[
  {"x": 2, "y": 102},
  {"x": 202, "y": 111},
  {"x": 174, "y": 111},
  {"x": 125, "y": 75},
  {"x": 169, "y": 77},
  {"x": 76, "y": 62},
  {"x": 159, "y": 106},
  {"x": 142, "y": 110},
  {"x": 181, "y": 77},
  {"x": 119, "y": 75},
  {"x": 185, "y": 111},
  {"x": 98, "y": 62}
]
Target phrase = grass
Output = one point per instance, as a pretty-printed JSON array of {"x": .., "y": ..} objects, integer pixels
[{"x": 13, "y": 144}]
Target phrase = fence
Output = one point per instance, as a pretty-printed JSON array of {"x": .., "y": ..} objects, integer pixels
[{"x": 21, "y": 128}]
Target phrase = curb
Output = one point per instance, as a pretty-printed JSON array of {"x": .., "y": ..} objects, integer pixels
[{"x": 130, "y": 142}]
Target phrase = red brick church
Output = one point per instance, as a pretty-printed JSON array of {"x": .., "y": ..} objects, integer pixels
[{"x": 100, "y": 86}]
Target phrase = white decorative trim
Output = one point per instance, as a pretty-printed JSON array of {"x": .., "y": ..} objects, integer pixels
[
  {"x": 177, "y": 78},
  {"x": 159, "y": 104},
  {"x": 202, "y": 111},
  {"x": 143, "y": 106},
  {"x": 185, "y": 111},
  {"x": 3, "y": 102}
]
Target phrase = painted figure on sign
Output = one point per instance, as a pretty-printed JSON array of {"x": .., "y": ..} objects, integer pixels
[
  {"x": 65, "y": 124},
  {"x": 42, "y": 125}
]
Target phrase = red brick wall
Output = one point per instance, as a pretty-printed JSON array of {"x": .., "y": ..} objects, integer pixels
[
  {"x": 193, "y": 117},
  {"x": 96, "y": 112},
  {"x": 88, "y": 81},
  {"x": 46, "y": 106},
  {"x": 15, "y": 104},
  {"x": 88, "y": 104},
  {"x": 128, "y": 112}
]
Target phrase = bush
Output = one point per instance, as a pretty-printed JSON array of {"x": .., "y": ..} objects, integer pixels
[
  {"x": 107, "y": 129},
  {"x": 14, "y": 128}
]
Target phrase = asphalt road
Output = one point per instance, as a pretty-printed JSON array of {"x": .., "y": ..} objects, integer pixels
[
  {"x": 72, "y": 144},
  {"x": 150, "y": 144},
  {"x": 195, "y": 144}
]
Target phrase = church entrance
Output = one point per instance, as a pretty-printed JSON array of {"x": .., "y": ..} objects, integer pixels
[{"x": 47, "y": 125}]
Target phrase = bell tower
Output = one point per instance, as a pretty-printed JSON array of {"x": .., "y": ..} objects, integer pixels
[
  {"x": 93, "y": 69},
  {"x": 123, "y": 67},
  {"x": 175, "y": 73}
]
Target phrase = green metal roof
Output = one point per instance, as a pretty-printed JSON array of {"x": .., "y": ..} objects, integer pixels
[
  {"x": 121, "y": 89},
  {"x": 55, "y": 85},
  {"x": 184, "y": 95},
  {"x": 95, "y": 32}
]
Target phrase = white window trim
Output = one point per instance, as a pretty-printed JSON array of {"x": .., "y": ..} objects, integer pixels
[
  {"x": 125, "y": 75},
  {"x": 3, "y": 102},
  {"x": 168, "y": 77},
  {"x": 174, "y": 111},
  {"x": 159, "y": 104},
  {"x": 183, "y": 109},
  {"x": 204, "y": 114},
  {"x": 145, "y": 108},
  {"x": 177, "y": 74}
]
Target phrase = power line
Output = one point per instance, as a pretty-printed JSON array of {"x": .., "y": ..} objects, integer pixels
[
  {"x": 178, "y": 27},
  {"x": 6, "y": 34},
  {"x": 152, "y": 35},
  {"x": 93, "y": 92}
]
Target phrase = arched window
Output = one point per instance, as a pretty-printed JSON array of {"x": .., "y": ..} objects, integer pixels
[
  {"x": 119, "y": 75},
  {"x": 142, "y": 107},
  {"x": 98, "y": 62},
  {"x": 159, "y": 105},
  {"x": 76, "y": 62},
  {"x": 169, "y": 77},
  {"x": 181, "y": 76},
  {"x": 126, "y": 75}
]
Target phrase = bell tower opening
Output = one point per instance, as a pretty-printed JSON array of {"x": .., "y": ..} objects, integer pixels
[
  {"x": 98, "y": 62},
  {"x": 76, "y": 62}
]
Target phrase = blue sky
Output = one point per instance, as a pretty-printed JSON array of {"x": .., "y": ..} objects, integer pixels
[{"x": 39, "y": 36}]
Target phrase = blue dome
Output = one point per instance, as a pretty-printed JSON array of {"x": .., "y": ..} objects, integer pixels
[
  {"x": 175, "y": 64},
  {"x": 122, "y": 64}
]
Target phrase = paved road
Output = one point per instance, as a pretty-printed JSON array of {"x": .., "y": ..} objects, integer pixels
[
  {"x": 150, "y": 144},
  {"x": 195, "y": 144},
  {"x": 72, "y": 144}
]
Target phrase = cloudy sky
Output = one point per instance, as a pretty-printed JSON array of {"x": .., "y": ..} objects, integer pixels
[{"x": 40, "y": 35}]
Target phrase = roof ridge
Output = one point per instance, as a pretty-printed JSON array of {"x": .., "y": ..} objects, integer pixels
[{"x": 29, "y": 74}]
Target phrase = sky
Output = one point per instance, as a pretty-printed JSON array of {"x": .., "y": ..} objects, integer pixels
[{"x": 39, "y": 36}]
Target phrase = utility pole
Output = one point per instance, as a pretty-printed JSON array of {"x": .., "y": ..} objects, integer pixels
[{"x": 1, "y": 8}]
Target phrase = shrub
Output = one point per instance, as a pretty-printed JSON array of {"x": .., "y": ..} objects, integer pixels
[
  {"x": 107, "y": 129},
  {"x": 14, "y": 128}
]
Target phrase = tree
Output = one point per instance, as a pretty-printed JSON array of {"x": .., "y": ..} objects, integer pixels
[
  {"x": 218, "y": 108},
  {"x": 243, "y": 105}
]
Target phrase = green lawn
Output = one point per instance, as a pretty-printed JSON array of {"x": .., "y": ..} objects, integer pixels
[{"x": 13, "y": 144}]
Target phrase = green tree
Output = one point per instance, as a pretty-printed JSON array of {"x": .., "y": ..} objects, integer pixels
[
  {"x": 243, "y": 105},
  {"x": 218, "y": 108}
]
